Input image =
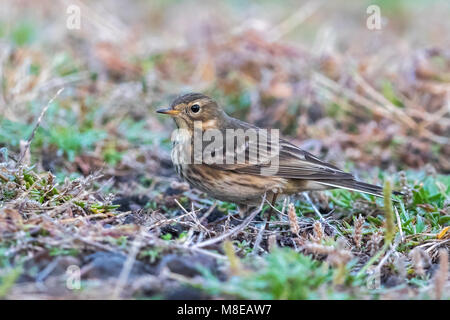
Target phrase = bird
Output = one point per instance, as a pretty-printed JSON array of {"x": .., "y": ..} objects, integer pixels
[{"x": 246, "y": 182}]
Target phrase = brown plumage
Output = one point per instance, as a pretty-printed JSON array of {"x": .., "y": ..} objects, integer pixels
[{"x": 245, "y": 183}]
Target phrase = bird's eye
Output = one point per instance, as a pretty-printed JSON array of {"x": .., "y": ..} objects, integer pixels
[{"x": 195, "y": 108}]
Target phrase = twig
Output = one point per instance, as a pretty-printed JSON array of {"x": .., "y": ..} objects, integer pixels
[
  {"x": 273, "y": 207},
  {"x": 208, "y": 212},
  {"x": 208, "y": 253},
  {"x": 294, "y": 20},
  {"x": 440, "y": 279},
  {"x": 168, "y": 221},
  {"x": 373, "y": 259},
  {"x": 173, "y": 245},
  {"x": 401, "y": 113},
  {"x": 285, "y": 202},
  {"x": 386, "y": 257},
  {"x": 127, "y": 266},
  {"x": 383, "y": 102},
  {"x": 305, "y": 194},
  {"x": 399, "y": 223},
  {"x": 320, "y": 215},
  {"x": 374, "y": 106},
  {"x": 41, "y": 276},
  {"x": 259, "y": 238},
  {"x": 38, "y": 123},
  {"x": 94, "y": 244},
  {"x": 437, "y": 244},
  {"x": 194, "y": 217},
  {"x": 235, "y": 230}
]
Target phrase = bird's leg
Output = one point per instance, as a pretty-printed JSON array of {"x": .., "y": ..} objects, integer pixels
[
  {"x": 242, "y": 210},
  {"x": 269, "y": 214}
]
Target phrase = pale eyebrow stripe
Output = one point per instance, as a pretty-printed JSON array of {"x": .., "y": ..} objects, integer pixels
[{"x": 200, "y": 101}]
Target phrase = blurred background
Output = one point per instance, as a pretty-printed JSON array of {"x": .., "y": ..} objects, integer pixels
[
  {"x": 360, "y": 97},
  {"x": 362, "y": 84}
]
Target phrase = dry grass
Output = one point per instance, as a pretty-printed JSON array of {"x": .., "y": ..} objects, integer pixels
[{"x": 86, "y": 179}]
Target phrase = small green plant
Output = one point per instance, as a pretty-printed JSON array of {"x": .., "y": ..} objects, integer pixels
[
  {"x": 7, "y": 279},
  {"x": 71, "y": 141},
  {"x": 23, "y": 33},
  {"x": 152, "y": 254},
  {"x": 167, "y": 236},
  {"x": 101, "y": 207},
  {"x": 56, "y": 251},
  {"x": 284, "y": 274}
]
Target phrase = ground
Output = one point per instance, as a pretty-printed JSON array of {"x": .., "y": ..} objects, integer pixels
[{"x": 91, "y": 207}]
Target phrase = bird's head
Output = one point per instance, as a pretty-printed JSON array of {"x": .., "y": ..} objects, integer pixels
[{"x": 192, "y": 107}]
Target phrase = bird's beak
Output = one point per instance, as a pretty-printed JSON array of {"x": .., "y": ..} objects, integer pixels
[{"x": 170, "y": 112}]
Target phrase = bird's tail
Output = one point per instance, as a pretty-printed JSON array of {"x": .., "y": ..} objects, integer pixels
[{"x": 354, "y": 185}]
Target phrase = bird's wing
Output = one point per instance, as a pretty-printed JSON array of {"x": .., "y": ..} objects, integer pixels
[{"x": 278, "y": 157}]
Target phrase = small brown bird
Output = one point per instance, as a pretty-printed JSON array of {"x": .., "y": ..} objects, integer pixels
[{"x": 245, "y": 183}]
